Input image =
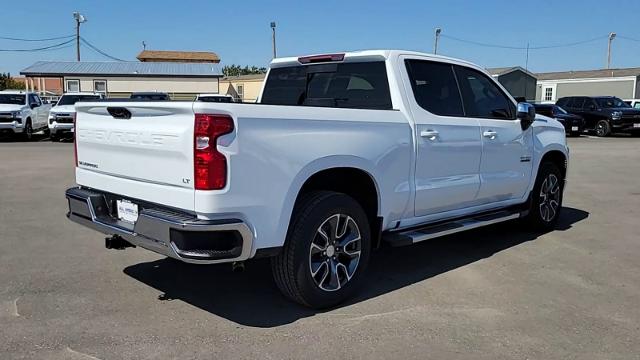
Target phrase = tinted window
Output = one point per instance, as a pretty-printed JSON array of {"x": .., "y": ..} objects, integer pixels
[
  {"x": 611, "y": 103},
  {"x": 544, "y": 110},
  {"x": 434, "y": 87},
  {"x": 15, "y": 99},
  {"x": 481, "y": 97},
  {"x": 72, "y": 99},
  {"x": 343, "y": 85},
  {"x": 587, "y": 103},
  {"x": 576, "y": 103},
  {"x": 563, "y": 102}
]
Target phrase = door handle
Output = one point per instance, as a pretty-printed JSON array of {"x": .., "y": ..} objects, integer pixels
[
  {"x": 430, "y": 134},
  {"x": 490, "y": 134}
]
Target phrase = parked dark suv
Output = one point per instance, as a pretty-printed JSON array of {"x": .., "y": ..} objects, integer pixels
[
  {"x": 604, "y": 114},
  {"x": 573, "y": 124}
]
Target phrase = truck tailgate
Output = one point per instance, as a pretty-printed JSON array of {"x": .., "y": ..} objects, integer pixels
[{"x": 152, "y": 146}]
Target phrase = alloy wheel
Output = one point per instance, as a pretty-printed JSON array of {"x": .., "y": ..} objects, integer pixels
[
  {"x": 549, "y": 198},
  {"x": 335, "y": 252}
]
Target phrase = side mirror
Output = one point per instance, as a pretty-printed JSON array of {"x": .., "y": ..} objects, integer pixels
[
  {"x": 33, "y": 105},
  {"x": 526, "y": 114},
  {"x": 592, "y": 107}
]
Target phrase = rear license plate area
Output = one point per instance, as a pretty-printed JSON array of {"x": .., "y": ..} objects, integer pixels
[{"x": 127, "y": 211}]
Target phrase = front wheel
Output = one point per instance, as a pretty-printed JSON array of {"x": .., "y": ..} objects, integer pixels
[
  {"x": 28, "y": 131},
  {"x": 603, "y": 128},
  {"x": 546, "y": 198},
  {"x": 326, "y": 251}
]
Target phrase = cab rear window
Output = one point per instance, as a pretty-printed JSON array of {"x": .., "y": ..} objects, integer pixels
[{"x": 362, "y": 85}]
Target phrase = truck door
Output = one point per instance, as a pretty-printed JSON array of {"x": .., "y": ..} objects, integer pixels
[
  {"x": 505, "y": 168},
  {"x": 448, "y": 144}
]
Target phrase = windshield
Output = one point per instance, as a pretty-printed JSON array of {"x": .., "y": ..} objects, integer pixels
[
  {"x": 72, "y": 99},
  {"x": 611, "y": 103},
  {"x": 559, "y": 110},
  {"x": 220, "y": 99},
  {"x": 150, "y": 96},
  {"x": 15, "y": 99}
]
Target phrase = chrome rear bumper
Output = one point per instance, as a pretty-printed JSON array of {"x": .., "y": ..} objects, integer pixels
[{"x": 164, "y": 231}]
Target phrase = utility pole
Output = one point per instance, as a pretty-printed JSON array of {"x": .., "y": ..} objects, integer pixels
[
  {"x": 79, "y": 20},
  {"x": 435, "y": 45},
  {"x": 611, "y": 37},
  {"x": 273, "y": 38}
]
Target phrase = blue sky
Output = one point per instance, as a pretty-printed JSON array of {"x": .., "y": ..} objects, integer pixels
[{"x": 239, "y": 31}]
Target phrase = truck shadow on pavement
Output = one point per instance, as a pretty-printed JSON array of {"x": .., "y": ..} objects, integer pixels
[{"x": 251, "y": 298}]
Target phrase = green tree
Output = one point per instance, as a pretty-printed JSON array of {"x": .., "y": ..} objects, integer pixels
[
  {"x": 7, "y": 82},
  {"x": 236, "y": 70}
]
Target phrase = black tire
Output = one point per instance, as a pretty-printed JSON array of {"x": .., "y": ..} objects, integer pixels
[
  {"x": 292, "y": 268},
  {"x": 27, "y": 133},
  {"x": 603, "y": 128},
  {"x": 542, "y": 215},
  {"x": 54, "y": 138}
]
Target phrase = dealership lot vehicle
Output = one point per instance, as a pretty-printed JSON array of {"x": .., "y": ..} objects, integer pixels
[
  {"x": 176, "y": 177},
  {"x": 22, "y": 113},
  {"x": 634, "y": 103},
  {"x": 62, "y": 114},
  {"x": 603, "y": 114},
  {"x": 489, "y": 293},
  {"x": 573, "y": 124}
]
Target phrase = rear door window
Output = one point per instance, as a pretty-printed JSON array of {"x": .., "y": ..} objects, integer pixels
[
  {"x": 362, "y": 85},
  {"x": 434, "y": 87},
  {"x": 481, "y": 97}
]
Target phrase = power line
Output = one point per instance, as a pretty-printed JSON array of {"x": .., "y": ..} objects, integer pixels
[
  {"x": 628, "y": 38},
  {"x": 522, "y": 47},
  {"x": 38, "y": 49},
  {"x": 46, "y": 39},
  {"x": 98, "y": 50}
]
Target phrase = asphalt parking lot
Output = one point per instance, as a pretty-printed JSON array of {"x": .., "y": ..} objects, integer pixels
[{"x": 493, "y": 293}]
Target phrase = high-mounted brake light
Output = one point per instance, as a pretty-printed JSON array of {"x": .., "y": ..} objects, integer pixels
[
  {"x": 209, "y": 165},
  {"x": 320, "y": 58}
]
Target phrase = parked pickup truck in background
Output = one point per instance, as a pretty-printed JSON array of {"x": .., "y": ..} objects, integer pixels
[
  {"x": 22, "y": 113},
  {"x": 62, "y": 114},
  {"x": 344, "y": 153}
]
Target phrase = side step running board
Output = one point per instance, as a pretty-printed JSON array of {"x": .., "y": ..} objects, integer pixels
[{"x": 412, "y": 236}]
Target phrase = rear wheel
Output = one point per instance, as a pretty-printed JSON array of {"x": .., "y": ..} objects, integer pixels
[
  {"x": 546, "y": 198},
  {"x": 326, "y": 251},
  {"x": 603, "y": 128}
]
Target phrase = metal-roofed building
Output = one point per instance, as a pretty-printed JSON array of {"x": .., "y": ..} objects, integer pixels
[
  {"x": 622, "y": 83},
  {"x": 120, "y": 79},
  {"x": 518, "y": 81}
]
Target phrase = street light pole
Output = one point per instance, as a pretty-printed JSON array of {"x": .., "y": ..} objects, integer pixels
[
  {"x": 273, "y": 38},
  {"x": 435, "y": 45},
  {"x": 79, "y": 20},
  {"x": 611, "y": 37}
]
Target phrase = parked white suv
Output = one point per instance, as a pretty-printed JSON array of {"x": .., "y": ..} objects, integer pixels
[
  {"x": 22, "y": 113},
  {"x": 63, "y": 112},
  {"x": 344, "y": 152}
]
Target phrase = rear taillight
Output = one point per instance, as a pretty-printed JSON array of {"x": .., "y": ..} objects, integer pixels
[
  {"x": 209, "y": 165},
  {"x": 75, "y": 139}
]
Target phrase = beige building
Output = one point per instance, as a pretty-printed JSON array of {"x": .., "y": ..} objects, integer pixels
[
  {"x": 182, "y": 81},
  {"x": 245, "y": 88},
  {"x": 622, "y": 83}
]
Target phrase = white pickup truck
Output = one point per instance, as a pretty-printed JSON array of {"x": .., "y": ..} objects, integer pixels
[
  {"x": 22, "y": 113},
  {"x": 62, "y": 114},
  {"x": 343, "y": 153}
]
